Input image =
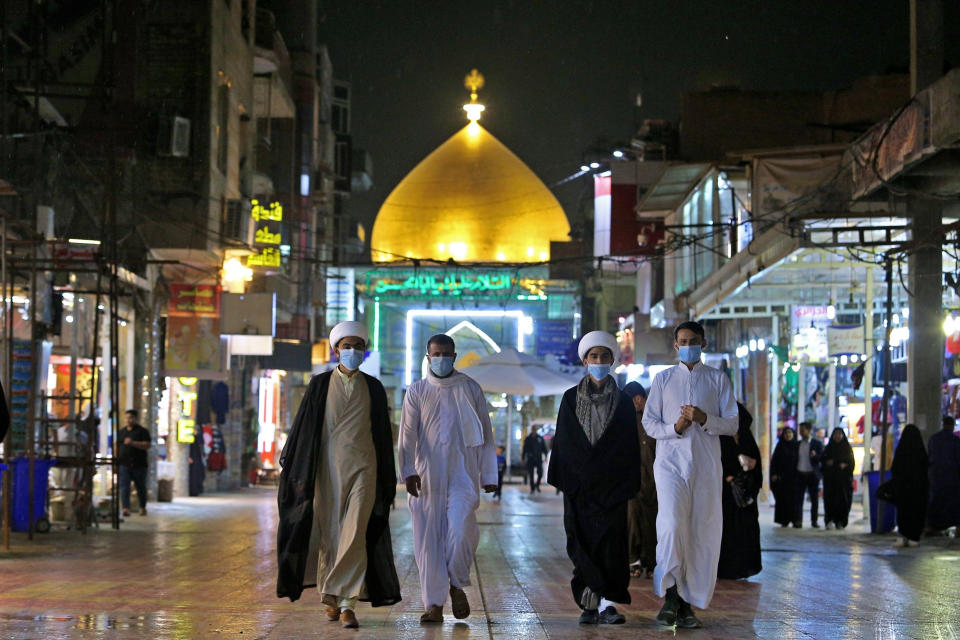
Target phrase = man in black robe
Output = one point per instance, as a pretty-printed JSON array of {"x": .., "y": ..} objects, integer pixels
[
  {"x": 944, "y": 451},
  {"x": 594, "y": 464},
  {"x": 301, "y": 462}
]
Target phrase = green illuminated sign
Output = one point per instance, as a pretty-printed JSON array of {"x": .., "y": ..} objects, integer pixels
[{"x": 448, "y": 284}]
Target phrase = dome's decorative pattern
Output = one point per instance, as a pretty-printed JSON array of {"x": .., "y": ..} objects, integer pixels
[{"x": 471, "y": 199}]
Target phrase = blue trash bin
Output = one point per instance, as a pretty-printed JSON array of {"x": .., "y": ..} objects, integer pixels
[
  {"x": 20, "y": 520},
  {"x": 889, "y": 509}
]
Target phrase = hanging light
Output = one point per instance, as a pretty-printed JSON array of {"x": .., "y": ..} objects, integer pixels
[
  {"x": 831, "y": 311},
  {"x": 753, "y": 344},
  {"x": 761, "y": 344}
]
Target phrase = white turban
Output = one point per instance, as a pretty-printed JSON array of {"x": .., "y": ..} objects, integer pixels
[
  {"x": 348, "y": 329},
  {"x": 598, "y": 339}
]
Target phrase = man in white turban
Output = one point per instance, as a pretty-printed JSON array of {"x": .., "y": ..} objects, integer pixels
[
  {"x": 446, "y": 451},
  {"x": 689, "y": 407},
  {"x": 336, "y": 487},
  {"x": 596, "y": 463}
]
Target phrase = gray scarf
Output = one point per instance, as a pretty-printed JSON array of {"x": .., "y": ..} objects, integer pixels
[{"x": 595, "y": 410}]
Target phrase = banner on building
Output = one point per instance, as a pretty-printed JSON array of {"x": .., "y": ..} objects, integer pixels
[
  {"x": 845, "y": 340},
  {"x": 193, "y": 345},
  {"x": 795, "y": 184}
]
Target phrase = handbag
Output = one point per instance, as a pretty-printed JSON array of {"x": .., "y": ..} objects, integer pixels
[
  {"x": 885, "y": 491},
  {"x": 743, "y": 489}
]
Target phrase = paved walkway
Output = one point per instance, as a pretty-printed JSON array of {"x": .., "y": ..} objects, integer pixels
[{"x": 203, "y": 568}]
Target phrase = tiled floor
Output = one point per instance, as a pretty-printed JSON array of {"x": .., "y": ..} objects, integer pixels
[{"x": 202, "y": 568}]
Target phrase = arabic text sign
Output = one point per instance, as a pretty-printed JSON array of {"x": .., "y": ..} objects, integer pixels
[
  {"x": 194, "y": 300},
  {"x": 267, "y": 221},
  {"x": 435, "y": 284}
]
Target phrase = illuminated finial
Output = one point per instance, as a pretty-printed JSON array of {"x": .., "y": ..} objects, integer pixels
[{"x": 473, "y": 81}]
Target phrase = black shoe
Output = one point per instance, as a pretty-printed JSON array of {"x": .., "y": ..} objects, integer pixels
[
  {"x": 611, "y": 616},
  {"x": 668, "y": 613},
  {"x": 797, "y": 525},
  {"x": 589, "y": 616},
  {"x": 815, "y": 525},
  {"x": 685, "y": 617}
]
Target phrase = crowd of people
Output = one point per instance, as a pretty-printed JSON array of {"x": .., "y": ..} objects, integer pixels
[{"x": 660, "y": 483}]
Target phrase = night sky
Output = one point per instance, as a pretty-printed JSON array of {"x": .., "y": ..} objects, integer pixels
[{"x": 561, "y": 75}]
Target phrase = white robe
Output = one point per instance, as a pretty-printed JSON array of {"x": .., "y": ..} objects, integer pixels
[
  {"x": 688, "y": 477},
  {"x": 431, "y": 445}
]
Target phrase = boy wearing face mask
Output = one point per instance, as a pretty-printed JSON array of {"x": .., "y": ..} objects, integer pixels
[
  {"x": 594, "y": 464},
  {"x": 447, "y": 453},
  {"x": 689, "y": 407},
  {"x": 336, "y": 487}
]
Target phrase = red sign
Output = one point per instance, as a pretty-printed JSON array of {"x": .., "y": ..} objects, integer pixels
[{"x": 195, "y": 300}]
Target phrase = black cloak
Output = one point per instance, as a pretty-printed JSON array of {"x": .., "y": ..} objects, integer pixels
[
  {"x": 911, "y": 485},
  {"x": 944, "y": 510},
  {"x": 837, "y": 482},
  {"x": 295, "y": 496},
  {"x": 197, "y": 469},
  {"x": 596, "y": 482},
  {"x": 740, "y": 543},
  {"x": 783, "y": 467}
]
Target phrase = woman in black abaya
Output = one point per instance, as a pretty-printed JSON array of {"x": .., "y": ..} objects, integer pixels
[
  {"x": 783, "y": 477},
  {"x": 911, "y": 486},
  {"x": 742, "y": 477},
  {"x": 837, "y": 464}
]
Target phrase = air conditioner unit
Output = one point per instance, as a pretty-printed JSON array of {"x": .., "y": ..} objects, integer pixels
[
  {"x": 173, "y": 137},
  {"x": 236, "y": 224}
]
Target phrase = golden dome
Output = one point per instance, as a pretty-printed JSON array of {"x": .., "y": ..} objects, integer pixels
[{"x": 471, "y": 199}]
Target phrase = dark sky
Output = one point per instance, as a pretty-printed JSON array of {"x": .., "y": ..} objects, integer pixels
[{"x": 559, "y": 75}]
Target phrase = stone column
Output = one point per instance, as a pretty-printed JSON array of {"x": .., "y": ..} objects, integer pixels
[{"x": 925, "y": 346}]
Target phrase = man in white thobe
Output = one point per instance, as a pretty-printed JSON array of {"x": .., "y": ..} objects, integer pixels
[
  {"x": 446, "y": 452},
  {"x": 688, "y": 408}
]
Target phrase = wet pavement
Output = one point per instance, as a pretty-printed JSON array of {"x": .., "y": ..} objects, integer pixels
[{"x": 203, "y": 567}]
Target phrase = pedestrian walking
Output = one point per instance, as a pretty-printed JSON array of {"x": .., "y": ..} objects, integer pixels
[
  {"x": 910, "y": 485},
  {"x": 594, "y": 462},
  {"x": 133, "y": 444},
  {"x": 837, "y": 463},
  {"x": 446, "y": 453},
  {"x": 534, "y": 452},
  {"x": 783, "y": 477},
  {"x": 809, "y": 452},
  {"x": 742, "y": 478},
  {"x": 501, "y": 469},
  {"x": 690, "y": 406},
  {"x": 642, "y": 507},
  {"x": 944, "y": 451},
  {"x": 337, "y": 485}
]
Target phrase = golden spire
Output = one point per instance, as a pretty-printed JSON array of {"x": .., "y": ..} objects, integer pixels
[{"x": 473, "y": 82}]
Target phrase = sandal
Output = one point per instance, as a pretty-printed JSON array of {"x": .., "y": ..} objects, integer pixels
[{"x": 636, "y": 571}]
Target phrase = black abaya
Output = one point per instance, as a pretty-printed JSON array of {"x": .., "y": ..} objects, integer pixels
[
  {"x": 197, "y": 470},
  {"x": 740, "y": 543},
  {"x": 783, "y": 478},
  {"x": 837, "y": 464},
  {"x": 911, "y": 485},
  {"x": 596, "y": 482}
]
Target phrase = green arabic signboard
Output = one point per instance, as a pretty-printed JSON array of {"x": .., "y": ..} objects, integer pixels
[{"x": 424, "y": 283}]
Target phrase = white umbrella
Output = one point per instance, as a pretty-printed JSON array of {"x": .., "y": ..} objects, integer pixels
[{"x": 519, "y": 374}]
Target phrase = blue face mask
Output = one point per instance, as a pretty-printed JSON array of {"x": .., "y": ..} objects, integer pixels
[
  {"x": 442, "y": 366},
  {"x": 351, "y": 358},
  {"x": 598, "y": 371},
  {"x": 690, "y": 353}
]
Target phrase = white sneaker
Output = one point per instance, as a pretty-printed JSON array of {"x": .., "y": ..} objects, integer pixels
[
  {"x": 900, "y": 543},
  {"x": 828, "y": 526},
  {"x": 913, "y": 543}
]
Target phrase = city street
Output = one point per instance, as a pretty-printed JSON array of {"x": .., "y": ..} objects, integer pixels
[{"x": 202, "y": 568}]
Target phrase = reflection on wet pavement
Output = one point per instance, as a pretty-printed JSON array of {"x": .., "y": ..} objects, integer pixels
[{"x": 202, "y": 568}]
